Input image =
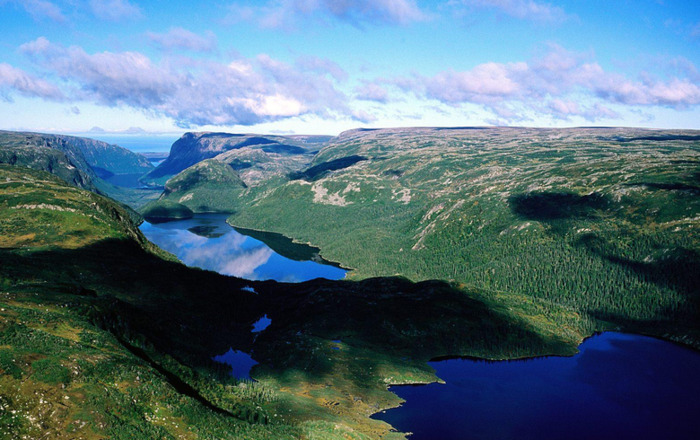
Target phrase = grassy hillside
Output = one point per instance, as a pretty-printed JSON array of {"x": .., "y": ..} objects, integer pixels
[
  {"x": 102, "y": 335},
  {"x": 215, "y": 184},
  {"x": 605, "y": 222}
]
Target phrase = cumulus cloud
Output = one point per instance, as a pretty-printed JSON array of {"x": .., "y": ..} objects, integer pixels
[
  {"x": 179, "y": 38},
  {"x": 557, "y": 80},
  {"x": 287, "y": 13},
  {"x": 195, "y": 92},
  {"x": 522, "y": 9},
  {"x": 12, "y": 78},
  {"x": 482, "y": 84},
  {"x": 565, "y": 109},
  {"x": 115, "y": 10},
  {"x": 107, "y": 78}
]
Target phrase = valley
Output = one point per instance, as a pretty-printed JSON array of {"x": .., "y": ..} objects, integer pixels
[{"x": 490, "y": 243}]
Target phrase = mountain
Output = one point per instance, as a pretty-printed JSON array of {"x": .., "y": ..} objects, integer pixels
[
  {"x": 213, "y": 184},
  {"x": 107, "y": 158},
  {"x": 496, "y": 243},
  {"x": 221, "y": 168},
  {"x": 192, "y": 148}
]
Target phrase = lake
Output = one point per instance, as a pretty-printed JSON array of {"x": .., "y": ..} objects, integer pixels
[
  {"x": 619, "y": 386},
  {"x": 208, "y": 242}
]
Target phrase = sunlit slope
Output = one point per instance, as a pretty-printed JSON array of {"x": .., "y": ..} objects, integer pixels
[
  {"x": 37, "y": 210},
  {"x": 606, "y": 221}
]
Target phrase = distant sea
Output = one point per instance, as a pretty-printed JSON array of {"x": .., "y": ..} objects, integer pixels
[{"x": 138, "y": 143}]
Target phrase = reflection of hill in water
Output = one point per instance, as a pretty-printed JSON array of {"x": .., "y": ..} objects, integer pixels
[
  {"x": 208, "y": 242},
  {"x": 287, "y": 247},
  {"x": 206, "y": 231}
]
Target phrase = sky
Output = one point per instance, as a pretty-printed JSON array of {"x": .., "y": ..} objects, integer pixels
[{"x": 115, "y": 67}]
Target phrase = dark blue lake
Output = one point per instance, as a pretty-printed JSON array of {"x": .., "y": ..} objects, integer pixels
[
  {"x": 618, "y": 387},
  {"x": 208, "y": 242}
]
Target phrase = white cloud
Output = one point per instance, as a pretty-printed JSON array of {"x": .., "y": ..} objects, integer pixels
[
  {"x": 482, "y": 84},
  {"x": 363, "y": 116},
  {"x": 107, "y": 78},
  {"x": 695, "y": 31},
  {"x": 323, "y": 66},
  {"x": 26, "y": 84},
  {"x": 372, "y": 92},
  {"x": 115, "y": 10},
  {"x": 553, "y": 84},
  {"x": 179, "y": 38},
  {"x": 194, "y": 92}
]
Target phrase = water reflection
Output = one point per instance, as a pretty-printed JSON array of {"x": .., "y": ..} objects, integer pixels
[{"x": 207, "y": 242}]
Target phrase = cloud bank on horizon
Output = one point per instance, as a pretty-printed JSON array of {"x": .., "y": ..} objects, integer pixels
[{"x": 325, "y": 65}]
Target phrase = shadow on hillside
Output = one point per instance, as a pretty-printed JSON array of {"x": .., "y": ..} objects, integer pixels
[
  {"x": 318, "y": 171},
  {"x": 194, "y": 314},
  {"x": 660, "y": 138},
  {"x": 676, "y": 268},
  {"x": 551, "y": 206}
]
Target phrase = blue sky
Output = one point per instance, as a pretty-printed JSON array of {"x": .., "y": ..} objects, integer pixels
[{"x": 324, "y": 66}]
